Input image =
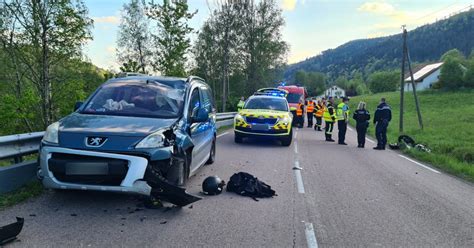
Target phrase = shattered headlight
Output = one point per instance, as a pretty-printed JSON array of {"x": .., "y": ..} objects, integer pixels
[
  {"x": 154, "y": 140},
  {"x": 51, "y": 134},
  {"x": 284, "y": 120}
]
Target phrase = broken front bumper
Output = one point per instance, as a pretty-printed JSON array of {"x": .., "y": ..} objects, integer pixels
[{"x": 132, "y": 182}]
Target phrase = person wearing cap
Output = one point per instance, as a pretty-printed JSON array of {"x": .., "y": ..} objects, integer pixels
[
  {"x": 383, "y": 115},
  {"x": 342, "y": 115}
]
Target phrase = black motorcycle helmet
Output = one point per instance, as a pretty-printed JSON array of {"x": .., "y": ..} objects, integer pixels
[{"x": 212, "y": 185}]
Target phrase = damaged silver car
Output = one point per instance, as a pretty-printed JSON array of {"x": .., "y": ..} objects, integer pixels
[{"x": 145, "y": 135}]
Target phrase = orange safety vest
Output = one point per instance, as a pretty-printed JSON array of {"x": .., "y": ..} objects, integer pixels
[
  {"x": 320, "y": 111},
  {"x": 299, "y": 110},
  {"x": 310, "y": 107}
]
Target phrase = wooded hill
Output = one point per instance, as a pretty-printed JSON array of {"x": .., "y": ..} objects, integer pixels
[{"x": 426, "y": 43}]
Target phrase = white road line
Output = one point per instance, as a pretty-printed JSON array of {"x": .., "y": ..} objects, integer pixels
[
  {"x": 310, "y": 236},
  {"x": 350, "y": 128},
  {"x": 299, "y": 178},
  {"x": 296, "y": 134},
  {"x": 369, "y": 140},
  {"x": 420, "y": 164},
  {"x": 296, "y": 147},
  {"x": 222, "y": 134}
]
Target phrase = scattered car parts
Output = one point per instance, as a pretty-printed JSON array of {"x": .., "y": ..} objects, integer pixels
[{"x": 9, "y": 232}]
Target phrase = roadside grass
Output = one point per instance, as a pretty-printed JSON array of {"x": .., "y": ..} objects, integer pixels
[
  {"x": 448, "y": 119},
  {"x": 22, "y": 194}
]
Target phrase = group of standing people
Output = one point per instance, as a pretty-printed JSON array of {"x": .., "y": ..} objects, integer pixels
[{"x": 331, "y": 113}]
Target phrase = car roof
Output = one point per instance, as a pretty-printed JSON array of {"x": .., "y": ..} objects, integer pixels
[{"x": 176, "y": 81}]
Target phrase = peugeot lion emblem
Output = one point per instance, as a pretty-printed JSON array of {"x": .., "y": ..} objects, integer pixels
[{"x": 95, "y": 141}]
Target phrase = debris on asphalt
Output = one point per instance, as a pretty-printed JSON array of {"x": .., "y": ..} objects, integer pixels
[
  {"x": 9, "y": 232},
  {"x": 123, "y": 218},
  {"x": 73, "y": 215},
  {"x": 191, "y": 206},
  {"x": 32, "y": 215},
  {"x": 297, "y": 168},
  {"x": 163, "y": 222}
]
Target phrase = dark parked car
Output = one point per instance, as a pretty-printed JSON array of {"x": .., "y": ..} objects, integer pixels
[{"x": 138, "y": 134}]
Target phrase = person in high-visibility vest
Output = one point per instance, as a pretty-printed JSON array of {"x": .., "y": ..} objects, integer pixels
[
  {"x": 299, "y": 114},
  {"x": 342, "y": 116},
  {"x": 309, "y": 111},
  {"x": 318, "y": 114},
  {"x": 241, "y": 103},
  {"x": 329, "y": 118}
]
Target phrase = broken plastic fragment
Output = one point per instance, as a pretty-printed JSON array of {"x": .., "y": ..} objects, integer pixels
[{"x": 9, "y": 232}]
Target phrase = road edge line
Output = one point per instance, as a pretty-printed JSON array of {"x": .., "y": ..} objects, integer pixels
[
  {"x": 222, "y": 134},
  {"x": 420, "y": 164}
]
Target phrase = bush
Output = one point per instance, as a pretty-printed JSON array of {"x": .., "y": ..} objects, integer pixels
[
  {"x": 469, "y": 75},
  {"x": 451, "y": 76},
  {"x": 384, "y": 81}
]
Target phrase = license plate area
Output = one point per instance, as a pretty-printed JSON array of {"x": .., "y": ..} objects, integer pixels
[
  {"x": 260, "y": 127},
  {"x": 87, "y": 168}
]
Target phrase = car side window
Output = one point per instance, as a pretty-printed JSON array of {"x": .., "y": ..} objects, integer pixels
[
  {"x": 207, "y": 101},
  {"x": 195, "y": 103}
]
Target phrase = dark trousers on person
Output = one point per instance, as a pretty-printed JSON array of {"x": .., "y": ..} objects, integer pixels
[
  {"x": 381, "y": 133},
  {"x": 310, "y": 119},
  {"x": 329, "y": 127},
  {"x": 342, "y": 128},
  {"x": 319, "y": 121},
  {"x": 361, "y": 131}
]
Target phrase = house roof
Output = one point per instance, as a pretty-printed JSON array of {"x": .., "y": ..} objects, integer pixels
[{"x": 424, "y": 72}]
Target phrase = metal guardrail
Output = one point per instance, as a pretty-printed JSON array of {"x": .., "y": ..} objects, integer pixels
[{"x": 17, "y": 146}]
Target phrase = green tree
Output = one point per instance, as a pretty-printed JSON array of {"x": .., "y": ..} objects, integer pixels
[
  {"x": 469, "y": 74},
  {"x": 39, "y": 37},
  {"x": 172, "y": 39},
  {"x": 384, "y": 81},
  {"x": 131, "y": 66},
  {"x": 453, "y": 53},
  {"x": 133, "y": 39},
  {"x": 451, "y": 75}
]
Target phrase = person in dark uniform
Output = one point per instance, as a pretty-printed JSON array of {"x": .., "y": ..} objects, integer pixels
[
  {"x": 383, "y": 115},
  {"x": 362, "y": 117}
]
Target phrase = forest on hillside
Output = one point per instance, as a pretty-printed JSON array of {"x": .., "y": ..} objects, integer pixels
[{"x": 365, "y": 56}]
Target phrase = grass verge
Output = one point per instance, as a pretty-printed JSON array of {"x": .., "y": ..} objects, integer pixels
[
  {"x": 448, "y": 119},
  {"x": 27, "y": 191}
]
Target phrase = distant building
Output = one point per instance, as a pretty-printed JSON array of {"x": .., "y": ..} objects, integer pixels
[
  {"x": 335, "y": 91},
  {"x": 425, "y": 77}
]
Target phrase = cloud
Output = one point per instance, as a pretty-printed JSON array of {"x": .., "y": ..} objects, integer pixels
[
  {"x": 106, "y": 19},
  {"x": 288, "y": 4},
  {"x": 380, "y": 8}
]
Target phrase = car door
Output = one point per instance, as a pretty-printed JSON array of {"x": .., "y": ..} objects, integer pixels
[
  {"x": 197, "y": 131},
  {"x": 209, "y": 126}
]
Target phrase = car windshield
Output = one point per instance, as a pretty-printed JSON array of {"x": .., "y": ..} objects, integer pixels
[
  {"x": 278, "y": 104},
  {"x": 293, "y": 97},
  {"x": 137, "y": 99}
]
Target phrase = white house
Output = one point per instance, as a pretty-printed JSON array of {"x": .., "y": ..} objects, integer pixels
[
  {"x": 424, "y": 78},
  {"x": 335, "y": 91}
]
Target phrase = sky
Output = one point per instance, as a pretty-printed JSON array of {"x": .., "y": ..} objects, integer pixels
[{"x": 311, "y": 26}]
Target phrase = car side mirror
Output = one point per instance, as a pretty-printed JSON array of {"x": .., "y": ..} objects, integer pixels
[
  {"x": 78, "y": 105},
  {"x": 202, "y": 115}
]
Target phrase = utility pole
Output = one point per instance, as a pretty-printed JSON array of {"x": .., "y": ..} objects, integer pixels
[
  {"x": 402, "y": 81},
  {"x": 406, "y": 56},
  {"x": 418, "y": 112}
]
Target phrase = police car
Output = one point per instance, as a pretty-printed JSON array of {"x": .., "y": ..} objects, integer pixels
[{"x": 266, "y": 114}]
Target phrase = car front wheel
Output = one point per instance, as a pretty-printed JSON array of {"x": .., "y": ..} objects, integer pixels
[{"x": 286, "y": 141}]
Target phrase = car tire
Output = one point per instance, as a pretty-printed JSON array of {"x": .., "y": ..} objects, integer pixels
[
  {"x": 238, "y": 138},
  {"x": 212, "y": 153},
  {"x": 286, "y": 141}
]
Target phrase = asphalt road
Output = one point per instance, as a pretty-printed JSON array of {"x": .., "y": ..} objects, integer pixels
[{"x": 343, "y": 196}]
